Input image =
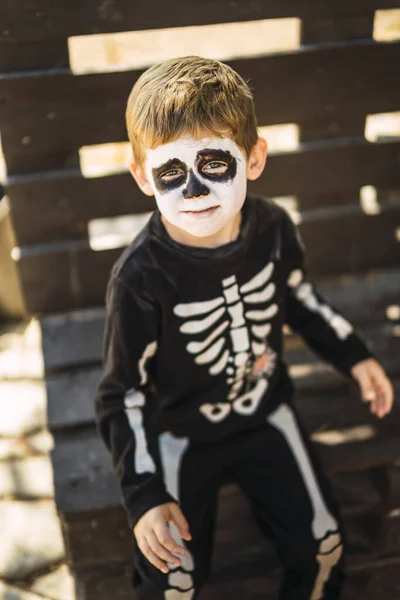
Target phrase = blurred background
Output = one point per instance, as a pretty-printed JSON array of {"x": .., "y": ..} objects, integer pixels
[{"x": 328, "y": 99}]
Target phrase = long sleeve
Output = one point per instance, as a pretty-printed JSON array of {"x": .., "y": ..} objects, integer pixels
[
  {"x": 130, "y": 342},
  {"x": 324, "y": 329}
]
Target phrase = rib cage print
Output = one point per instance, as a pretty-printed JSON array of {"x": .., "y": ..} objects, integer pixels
[{"x": 235, "y": 327}]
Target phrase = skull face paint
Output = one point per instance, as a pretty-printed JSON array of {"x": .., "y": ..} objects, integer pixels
[{"x": 199, "y": 184}]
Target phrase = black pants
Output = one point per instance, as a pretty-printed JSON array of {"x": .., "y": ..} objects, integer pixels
[{"x": 276, "y": 467}]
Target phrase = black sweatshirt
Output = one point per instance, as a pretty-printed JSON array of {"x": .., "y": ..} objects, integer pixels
[{"x": 193, "y": 341}]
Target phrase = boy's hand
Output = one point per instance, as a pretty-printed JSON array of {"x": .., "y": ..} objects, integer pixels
[
  {"x": 374, "y": 385},
  {"x": 154, "y": 537}
]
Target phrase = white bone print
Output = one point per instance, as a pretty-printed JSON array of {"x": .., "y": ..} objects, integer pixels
[
  {"x": 134, "y": 400},
  {"x": 324, "y": 525},
  {"x": 303, "y": 291},
  {"x": 247, "y": 328},
  {"x": 328, "y": 556},
  {"x": 172, "y": 449}
]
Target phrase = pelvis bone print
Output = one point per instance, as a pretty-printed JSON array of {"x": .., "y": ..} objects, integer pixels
[{"x": 236, "y": 326}]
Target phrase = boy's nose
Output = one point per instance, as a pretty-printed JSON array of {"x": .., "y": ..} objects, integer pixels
[{"x": 195, "y": 187}]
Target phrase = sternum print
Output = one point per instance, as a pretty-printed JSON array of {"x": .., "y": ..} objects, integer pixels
[{"x": 239, "y": 335}]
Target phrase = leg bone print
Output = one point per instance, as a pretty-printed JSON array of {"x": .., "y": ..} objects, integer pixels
[
  {"x": 324, "y": 526},
  {"x": 246, "y": 342},
  {"x": 180, "y": 579}
]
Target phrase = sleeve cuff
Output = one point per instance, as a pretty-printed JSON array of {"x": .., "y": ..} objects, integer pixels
[
  {"x": 150, "y": 494},
  {"x": 357, "y": 352}
]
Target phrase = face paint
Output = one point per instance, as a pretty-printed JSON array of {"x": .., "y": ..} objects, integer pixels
[{"x": 199, "y": 184}]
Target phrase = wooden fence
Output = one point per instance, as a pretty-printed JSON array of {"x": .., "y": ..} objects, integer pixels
[{"x": 327, "y": 86}]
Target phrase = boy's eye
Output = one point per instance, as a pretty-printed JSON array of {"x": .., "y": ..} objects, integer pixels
[
  {"x": 171, "y": 175},
  {"x": 215, "y": 167}
]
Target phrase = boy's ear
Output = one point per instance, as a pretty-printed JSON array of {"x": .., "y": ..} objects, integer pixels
[
  {"x": 140, "y": 178},
  {"x": 257, "y": 159}
]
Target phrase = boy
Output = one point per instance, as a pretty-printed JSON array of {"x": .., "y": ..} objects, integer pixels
[{"x": 194, "y": 384}]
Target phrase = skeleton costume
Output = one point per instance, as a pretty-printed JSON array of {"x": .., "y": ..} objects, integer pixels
[{"x": 194, "y": 386}]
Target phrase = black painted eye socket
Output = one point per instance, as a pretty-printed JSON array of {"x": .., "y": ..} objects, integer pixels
[
  {"x": 215, "y": 167},
  {"x": 171, "y": 175}
]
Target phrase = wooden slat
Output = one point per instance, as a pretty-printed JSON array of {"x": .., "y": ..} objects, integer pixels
[
  {"x": 40, "y": 117},
  {"x": 85, "y": 479},
  {"x": 68, "y": 276},
  {"x": 37, "y": 19},
  {"x": 11, "y": 300},
  {"x": 70, "y": 395},
  {"x": 58, "y": 205},
  {"x": 74, "y": 339},
  {"x": 85, "y": 538},
  {"x": 318, "y": 29},
  {"x": 25, "y": 56},
  {"x": 366, "y": 579},
  {"x": 239, "y": 544}
]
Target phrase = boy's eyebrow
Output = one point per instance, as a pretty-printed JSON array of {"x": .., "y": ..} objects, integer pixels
[
  {"x": 214, "y": 152},
  {"x": 172, "y": 162}
]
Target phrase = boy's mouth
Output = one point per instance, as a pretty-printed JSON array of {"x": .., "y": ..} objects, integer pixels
[{"x": 201, "y": 213}]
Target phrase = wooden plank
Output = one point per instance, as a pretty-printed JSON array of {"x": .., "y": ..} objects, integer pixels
[
  {"x": 114, "y": 580},
  {"x": 70, "y": 397},
  {"x": 84, "y": 538},
  {"x": 57, "y": 206},
  {"x": 11, "y": 300},
  {"x": 39, "y": 20},
  {"x": 71, "y": 277},
  {"x": 310, "y": 374},
  {"x": 391, "y": 542},
  {"x": 26, "y": 56},
  {"x": 70, "y": 393},
  {"x": 105, "y": 581},
  {"x": 316, "y": 29},
  {"x": 74, "y": 339},
  {"x": 85, "y": 480},
  {"x": 60, "y": 277},
  {"x": 239, "y": 550},
  {"x": 22, "y": 59},
  {"x": 39, "y": 116},
  {"x": 70, "y": 202}
]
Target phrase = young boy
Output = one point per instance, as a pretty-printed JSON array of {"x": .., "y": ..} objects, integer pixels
[{"x": 194, "y": 384}]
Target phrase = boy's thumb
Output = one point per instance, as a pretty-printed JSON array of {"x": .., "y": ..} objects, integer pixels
[{"x": 180, "y": 522}]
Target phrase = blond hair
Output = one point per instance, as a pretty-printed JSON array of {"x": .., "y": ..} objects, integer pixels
[{"x": 185, "y": 96}]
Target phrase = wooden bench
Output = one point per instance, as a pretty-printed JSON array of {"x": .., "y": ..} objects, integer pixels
[
  {"x": 327, "y": 86},
  {"x": 358, "y": 450}
]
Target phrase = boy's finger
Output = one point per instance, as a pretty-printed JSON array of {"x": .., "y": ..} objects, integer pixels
[
  {"x": 367, "y": 387},
  {"x": 153, "y": 558},
  {"x": 164, "y": 537},
  {"x": 160, "y": 551},
  {"x": 386, "y": 395},
  {"x": 180, "y": 522}
]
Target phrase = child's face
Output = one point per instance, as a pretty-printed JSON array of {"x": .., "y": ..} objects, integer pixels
[{"x": 199, "y": 184}]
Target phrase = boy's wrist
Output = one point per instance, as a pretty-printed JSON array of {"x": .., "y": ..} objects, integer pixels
[
  {"x": 149, "y": 501},
  {"x": 359, "y": 352}
]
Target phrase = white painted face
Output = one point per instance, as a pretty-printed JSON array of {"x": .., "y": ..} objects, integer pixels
[{"x": 199, "y": 184}]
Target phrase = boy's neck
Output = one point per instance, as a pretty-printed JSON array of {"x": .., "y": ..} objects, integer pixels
[{"x": 227, "y": 234}]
